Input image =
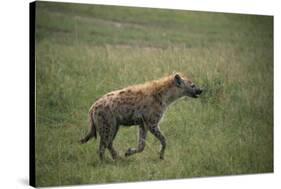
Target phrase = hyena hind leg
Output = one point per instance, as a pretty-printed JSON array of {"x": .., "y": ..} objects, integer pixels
[
  {"x": 102, "y": 148},
  {"x": 110, "y": 147},
  {"x": 141, "y": 144},
  {"x": 112, "y": 151}
]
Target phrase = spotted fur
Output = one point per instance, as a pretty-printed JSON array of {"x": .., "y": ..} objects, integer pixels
[{"x": 143, "y": 105}]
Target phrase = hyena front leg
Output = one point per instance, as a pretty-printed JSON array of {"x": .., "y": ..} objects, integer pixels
[
  {"x": 141, "y": 144},
  {"x": 154, "y": 129}
]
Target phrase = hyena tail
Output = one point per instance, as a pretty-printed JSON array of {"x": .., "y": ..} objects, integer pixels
[{"x": 93, "y": 132}]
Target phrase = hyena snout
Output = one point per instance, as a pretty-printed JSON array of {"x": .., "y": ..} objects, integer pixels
[{"x": 197, "y": 92}]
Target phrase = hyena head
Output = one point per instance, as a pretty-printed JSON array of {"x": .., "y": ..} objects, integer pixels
[{"x": 185, "y": 87}]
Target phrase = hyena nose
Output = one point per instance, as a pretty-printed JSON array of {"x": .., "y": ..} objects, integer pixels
[{"x": 199, "y": 91}]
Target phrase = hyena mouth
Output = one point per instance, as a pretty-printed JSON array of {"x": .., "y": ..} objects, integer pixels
[{"x": 197, "y": 93}]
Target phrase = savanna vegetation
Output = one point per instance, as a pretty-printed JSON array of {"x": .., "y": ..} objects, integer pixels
[{"x": 85, "y": 51}]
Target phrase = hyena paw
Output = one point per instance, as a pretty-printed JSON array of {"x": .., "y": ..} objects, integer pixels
[
  {"x": 161, "y": 156},
  {"x": 130, "y": 151}
]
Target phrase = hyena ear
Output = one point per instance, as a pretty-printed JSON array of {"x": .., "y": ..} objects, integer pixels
[{"x": 178, "y": 80}]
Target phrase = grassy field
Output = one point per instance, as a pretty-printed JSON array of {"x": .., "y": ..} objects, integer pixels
[{"x": 85, "y": 51}]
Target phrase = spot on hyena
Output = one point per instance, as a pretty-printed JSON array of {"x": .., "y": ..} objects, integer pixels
[{"x": 142, "y": 105}]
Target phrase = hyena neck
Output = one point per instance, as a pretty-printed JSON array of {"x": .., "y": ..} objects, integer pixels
[
  {"x": 164, "y": 90},
  {"x": 169, "y": 96}
]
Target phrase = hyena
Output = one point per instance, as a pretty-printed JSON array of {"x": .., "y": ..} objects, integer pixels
[{"x": 142, "y": 105}]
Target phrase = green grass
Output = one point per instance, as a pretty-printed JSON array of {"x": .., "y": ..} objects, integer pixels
[{"x": 85, "y": 51}]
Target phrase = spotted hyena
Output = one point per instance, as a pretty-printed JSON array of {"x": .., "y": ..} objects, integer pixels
[{"x": 142, "y": 105}]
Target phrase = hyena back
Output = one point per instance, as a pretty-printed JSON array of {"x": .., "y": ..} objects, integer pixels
[{"x": 142, "y": 105}]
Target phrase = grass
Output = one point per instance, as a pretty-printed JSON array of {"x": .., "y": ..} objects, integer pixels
[{"x": 85, "y": 51}]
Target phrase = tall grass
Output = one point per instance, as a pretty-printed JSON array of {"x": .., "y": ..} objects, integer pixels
[{"x": 85, "y": 51}]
